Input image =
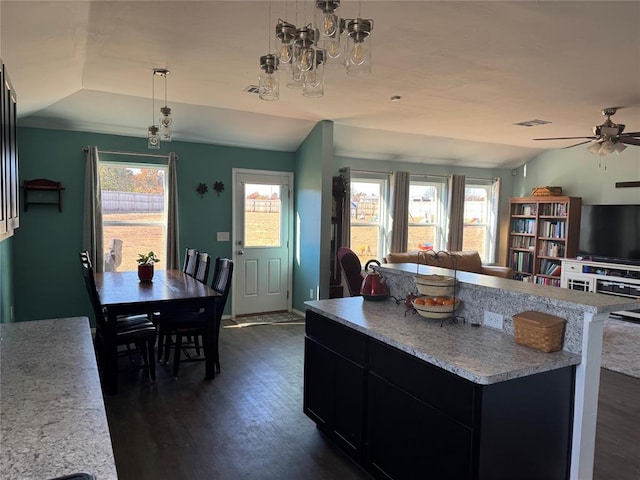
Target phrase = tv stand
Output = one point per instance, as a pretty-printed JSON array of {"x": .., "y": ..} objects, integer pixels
[{"x": 602, "y": 277}]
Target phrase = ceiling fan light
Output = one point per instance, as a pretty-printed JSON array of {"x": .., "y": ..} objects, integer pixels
[
  {"x": 607, "y": 147},
  {"x": 594, "y": 148},
  {"x": 620, "y": 147}
]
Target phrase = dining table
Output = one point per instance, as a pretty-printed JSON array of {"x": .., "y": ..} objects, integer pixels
[{"x": 170, "y": 291}]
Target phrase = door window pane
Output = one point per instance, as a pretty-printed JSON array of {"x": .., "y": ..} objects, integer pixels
[
  {"x": 133, "y": 211},
  {"x": 263, "y": 215}
]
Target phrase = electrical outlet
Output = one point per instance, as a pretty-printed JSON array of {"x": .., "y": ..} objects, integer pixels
[
  {"x": 493, "y": 320},
  {"x": 311, "y": 293}
]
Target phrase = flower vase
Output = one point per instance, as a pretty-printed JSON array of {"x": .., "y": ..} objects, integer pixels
[{"x": 145, "y": 273}]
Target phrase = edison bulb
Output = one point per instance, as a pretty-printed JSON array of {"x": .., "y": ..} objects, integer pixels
[
  {"x": 333, "y": 49},
  {"x": 269, "y": 86},
  {"x": 329, "y": 24},
  {"x": 285, "y": 53},
  {"x": 306, "y": 60},
  {"x": 357, "y": 56}
]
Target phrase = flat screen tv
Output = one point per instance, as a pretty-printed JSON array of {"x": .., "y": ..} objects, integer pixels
[{"x": 610, "y": 233}]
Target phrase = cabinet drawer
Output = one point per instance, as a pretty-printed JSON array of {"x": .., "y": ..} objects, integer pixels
[
  {"x": 340, "y": 339},
  {"x": 444, "y": 391},
  {"x": 571, "y": 267}
]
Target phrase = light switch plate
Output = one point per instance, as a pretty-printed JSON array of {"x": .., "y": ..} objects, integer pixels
[{"x": 222, "y": 236}]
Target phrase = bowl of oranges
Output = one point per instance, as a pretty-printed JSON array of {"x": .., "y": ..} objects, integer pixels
[
  {"x": 435, "y": 307},
  {"x": 435, "y": 285}
]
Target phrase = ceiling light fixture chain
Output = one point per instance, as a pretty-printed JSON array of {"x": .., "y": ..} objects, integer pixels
[
  {"x": 165, "y": 120},
  {"x": 153, "y": 139}
]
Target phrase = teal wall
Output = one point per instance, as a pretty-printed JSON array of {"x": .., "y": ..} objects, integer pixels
[
  {"x": 313, "y": 216},
  {"x": 48, "y": 282},
  {"x": 6, "y": 280}
]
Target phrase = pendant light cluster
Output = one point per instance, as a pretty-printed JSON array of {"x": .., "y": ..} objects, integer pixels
[
  {"x": 160, "y": 132},
  {"x": 304, "y": 52}
]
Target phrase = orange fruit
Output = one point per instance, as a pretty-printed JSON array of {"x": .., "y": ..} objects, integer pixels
[
  {"x": 431, "y": 301},
  {"x": 419, "y": 301},
  {"x": 441, "y": 300},
  {"x": 448, "y": 301}
]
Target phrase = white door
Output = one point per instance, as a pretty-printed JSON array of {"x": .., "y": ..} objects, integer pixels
[{"x": 261, "y": 238}]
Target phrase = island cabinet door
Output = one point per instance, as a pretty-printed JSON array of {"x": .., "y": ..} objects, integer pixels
[
  {"x": 334, "y": 382},
  {"x": 409, "y": 439}
]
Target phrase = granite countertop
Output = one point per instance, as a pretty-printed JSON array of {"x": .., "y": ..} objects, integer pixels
[
  {"x": 587, "y": 301},
  {"x": 479, "y": 354},
  {"x": 52, "y": 415}
]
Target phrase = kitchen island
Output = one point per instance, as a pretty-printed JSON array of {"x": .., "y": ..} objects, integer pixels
[
  {"x": 52, "y": 416},
  {"x": 406, "y": 396}
]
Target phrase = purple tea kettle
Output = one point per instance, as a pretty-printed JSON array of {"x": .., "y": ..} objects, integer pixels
[{"x": 373, "y": 286}]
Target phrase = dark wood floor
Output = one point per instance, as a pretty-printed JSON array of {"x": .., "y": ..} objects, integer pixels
[{"x": 248, "y": 423}]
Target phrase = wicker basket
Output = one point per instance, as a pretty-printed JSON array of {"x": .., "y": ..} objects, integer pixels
[
  {"x": 546, "y": 191},
  {"x": 435, "y": 285},
  {"x": 436, "y": 311},
  {"x": 539, "y": 330}
]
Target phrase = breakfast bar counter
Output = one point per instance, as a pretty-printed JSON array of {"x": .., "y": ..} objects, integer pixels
[
  {"x": 409, "y": 396},
  {"x": 52, "y": 416},
  {"x": 479, "y": 354}
]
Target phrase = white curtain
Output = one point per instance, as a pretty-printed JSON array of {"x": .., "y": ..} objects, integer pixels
[
  {"x": 399, "y": 212},
  {"x": 456, "y": 212},
  {"x": 345, "y": 173},
  {"x": 173, "y": 253},
  {"x": 92, "y": 239}
]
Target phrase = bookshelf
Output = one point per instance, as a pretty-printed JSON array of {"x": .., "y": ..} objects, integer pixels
[{"x": 543, "y": 230}]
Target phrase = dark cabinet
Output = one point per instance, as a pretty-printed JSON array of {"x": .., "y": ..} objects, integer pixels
[
  {"x": 403, "y": 418},
  {"x": 9, "y": 210},
  {"x": 408, "y": 438},
  {"x": 335, "y": 382}
]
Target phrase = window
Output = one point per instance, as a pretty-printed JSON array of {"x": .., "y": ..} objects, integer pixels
[
  {"x": 426, "y": 217},
  {"x": 368, "y": 226},
  {"x": 480, "y": 218},
  {"x": 134, "y": 210}
]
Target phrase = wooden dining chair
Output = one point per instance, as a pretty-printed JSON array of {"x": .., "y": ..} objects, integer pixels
[
  {"x": 202, "y": 267},
  {"x": 130, "y": 330},
  {"x": 185, "y": 324},
  {"x": 190, "y": 262}
]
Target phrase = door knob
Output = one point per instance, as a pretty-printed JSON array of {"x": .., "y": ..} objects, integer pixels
[{"x": 240, "y": 252}]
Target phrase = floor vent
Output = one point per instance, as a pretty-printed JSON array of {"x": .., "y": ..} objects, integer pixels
[{"x": 252, "y": 89}]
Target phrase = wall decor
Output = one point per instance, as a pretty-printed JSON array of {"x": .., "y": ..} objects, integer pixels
[
  {"x": 202, "y": 189},
  {"x": 218, "y": 187}
]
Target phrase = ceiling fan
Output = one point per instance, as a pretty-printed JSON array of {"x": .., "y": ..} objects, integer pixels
[{"x": 607, "y": 138}]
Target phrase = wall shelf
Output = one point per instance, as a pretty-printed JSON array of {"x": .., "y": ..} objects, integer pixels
[{"x": 42, "y": 185}]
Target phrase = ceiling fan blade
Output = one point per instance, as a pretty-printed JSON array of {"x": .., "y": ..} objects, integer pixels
[
  {"x": 565, "y": 138},
  {"x": 630, "y": 140},
  {"x": 576, "y": 144},
  {"x": 630, "y": 134}
]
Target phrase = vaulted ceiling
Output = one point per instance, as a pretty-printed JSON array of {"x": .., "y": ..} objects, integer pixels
[{"x": 466, "y": 73}]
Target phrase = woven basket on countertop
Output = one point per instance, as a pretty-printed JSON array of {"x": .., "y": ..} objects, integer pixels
[{"x": 539, "y": 330}]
